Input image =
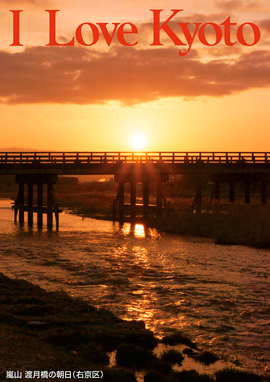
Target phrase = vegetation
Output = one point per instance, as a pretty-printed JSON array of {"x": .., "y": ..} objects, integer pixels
[
  {"x": 134, "y": 357},
  {"x": 193, "y": 376},
  {"x": 207, "y": 357},
  {"x": 234, "y": 375},
  {"x": 178, "y": 338},
  {"x": 246, "y": 225},
  {"x": 52, "y": 331},
  {"x": 173, "y": 357},
  {"x": 224, "y": 223}
]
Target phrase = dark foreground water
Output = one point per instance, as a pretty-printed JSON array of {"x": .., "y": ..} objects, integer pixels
[{"x": 219, "y": 295}]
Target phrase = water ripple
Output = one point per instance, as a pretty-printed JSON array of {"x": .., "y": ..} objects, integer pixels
[{"x": 219, "y": 295}]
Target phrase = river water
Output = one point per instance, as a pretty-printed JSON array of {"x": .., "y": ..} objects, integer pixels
[{"x": 218, "y": 295}]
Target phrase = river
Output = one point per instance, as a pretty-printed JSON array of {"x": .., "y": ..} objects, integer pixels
[{"x": 218, "y": 295}]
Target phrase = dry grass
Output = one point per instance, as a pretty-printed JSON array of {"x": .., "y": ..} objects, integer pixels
[
  {"x": 246, "y": 225},
  {"x": 225, "y": 223}
]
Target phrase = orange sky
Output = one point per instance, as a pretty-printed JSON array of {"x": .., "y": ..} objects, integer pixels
[{"x": 95, "y": 98}]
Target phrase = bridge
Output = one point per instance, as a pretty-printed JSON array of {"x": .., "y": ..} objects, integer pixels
[{"x": 43, "y": 168}]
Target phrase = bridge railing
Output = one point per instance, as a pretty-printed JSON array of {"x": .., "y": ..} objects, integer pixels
[{"x": 24, "y": 158}]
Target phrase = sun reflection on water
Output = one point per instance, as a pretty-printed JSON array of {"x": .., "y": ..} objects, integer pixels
[
  {"x": 142, "y": 312},
  {"x": 125, "y": 229},
  {"x": 139, "y": 231},
  {"x": 173, "y": 283}
]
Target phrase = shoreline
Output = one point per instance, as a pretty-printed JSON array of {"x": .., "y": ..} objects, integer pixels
[
  {"x": 230, "y": 224},
  {"x": 74, "y": 350},
  {"x": 241, "y": 225},
  {"x": 43, "y": 330}
]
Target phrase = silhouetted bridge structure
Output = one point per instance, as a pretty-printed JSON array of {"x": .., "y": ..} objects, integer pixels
[{"x": 43, "y": 168}]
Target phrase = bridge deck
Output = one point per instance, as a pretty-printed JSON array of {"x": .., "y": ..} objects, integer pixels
[
  {"x": 42, "y": 168},
  {"x": 72, "y": 163},
  {"x": 132, "y": 157}
]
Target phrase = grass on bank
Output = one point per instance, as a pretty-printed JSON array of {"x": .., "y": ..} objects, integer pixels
[
  {"x": 42, "y": 330},
  {"x": 246, "y": 225},
  {"x": 226, "y": 224},
  {"x": 52, "y": 331}
]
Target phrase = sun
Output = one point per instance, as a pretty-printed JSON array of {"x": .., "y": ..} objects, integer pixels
[{"x": 138, "y": 141}]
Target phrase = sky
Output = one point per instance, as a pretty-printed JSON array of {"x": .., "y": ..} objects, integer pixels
[{"x": 110, "y": 97}]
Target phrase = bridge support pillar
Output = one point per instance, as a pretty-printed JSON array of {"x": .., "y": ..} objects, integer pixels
[
  {"x": 263, "y": 192},
  {"x": 21, "y": 202},
  {"x": 133, "y": 202},
  {"x": 20, "y": 206},
  {"x": 57, "y": 210},
  {"x": 50, "y": 201},
  {"x": 39, "y": 204},
  {"x": 159, "y": 199},
  {"x": 231, "y": 192},
  {"x": 30, "y": 204},
  {"x": 15, "y": 210},
  {"x": 145, "y": 200},
  {"x": 247, "y": 192},
  {"x": 121, "y": 197},
  {"x": 139, "y": 176}
]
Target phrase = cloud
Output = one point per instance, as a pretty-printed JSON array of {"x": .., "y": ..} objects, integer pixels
[
  {"x": 81, "y": 75},
  {"x": 238, "y": 5},
  {"x": 39, "y": 3},
  {"x": 265, "y": 25}
]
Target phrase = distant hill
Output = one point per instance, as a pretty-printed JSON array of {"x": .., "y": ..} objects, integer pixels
[{"x": 19, "y": 149}]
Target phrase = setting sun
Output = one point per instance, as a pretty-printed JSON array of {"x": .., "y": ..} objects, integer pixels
[{"x": 138, "y": 141}]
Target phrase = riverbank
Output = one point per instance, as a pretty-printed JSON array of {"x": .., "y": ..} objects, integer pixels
[
  {"x": 224, "y": 223},
  {"x": 237, "y": 224},
  {"x": 234, "y": 225},
  {"x": 230, "y": 225},
  {"x": 49, "y": 332}
]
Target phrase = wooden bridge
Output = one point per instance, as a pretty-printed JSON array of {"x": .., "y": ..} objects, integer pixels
[
  {"x": 68, "y": 159},
  {"x": 43, "y": 168}
]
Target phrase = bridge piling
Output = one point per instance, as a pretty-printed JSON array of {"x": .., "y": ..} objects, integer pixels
[
  {"x": 138, "y": 212},
  {"x": 159, "y": 199},
  {"x": 145, "y": 200},
  {"x": 39, "y": 204},
  {"x": 20, "y": 206},
  {"x": 133, "y": 202},
  {"x": 49, "y": 204},
  {"x": 121, "y": 197},
  {"x": 57, "y": 210},
  {"x": 30, "y": 204},
  {"x": 41, "y": 168},
  {"x": 15, "y": 210},
  {"x": 21, "y": 202}
]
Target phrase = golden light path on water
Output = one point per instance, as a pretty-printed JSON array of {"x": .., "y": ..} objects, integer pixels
[
  {"x": 218, "y": 295},
  {"x": 143, "y": 309},
  {"x": 140, "y": 310}
]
